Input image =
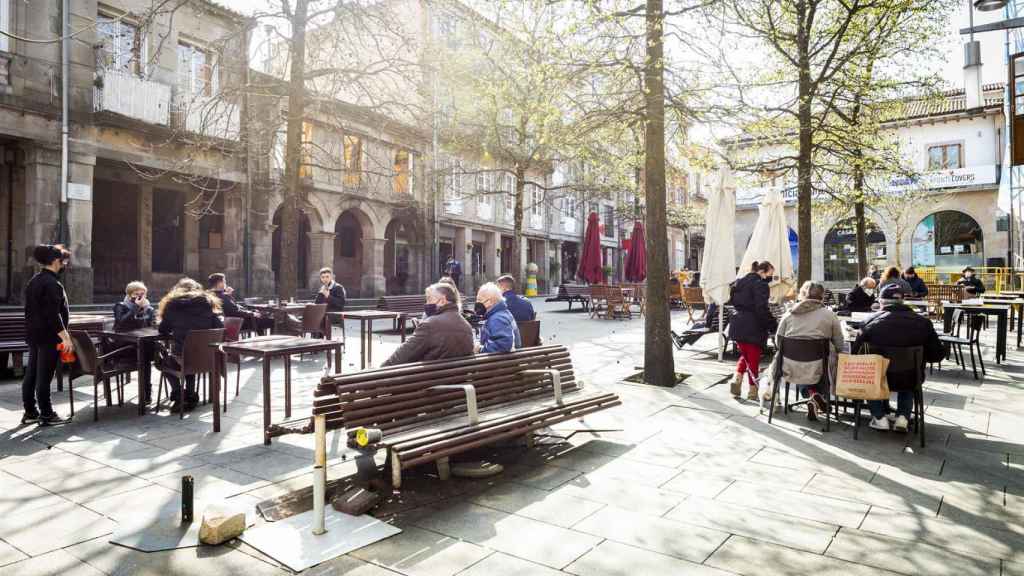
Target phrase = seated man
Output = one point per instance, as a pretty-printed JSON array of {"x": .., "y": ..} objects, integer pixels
[
  {"x": 331, "y": 293},
  {"x": 918, "y": 289},
  {"x": 862, "y": 297},
  {"x": 972, "y": 285},
  {"x": 897, "y": 325},
  {"x": 443, "y": 333},
  {"x": 135, "y": 311},
  {"x": 499, "y": 332},
  {"x": 217, "y": 283},
  {"x": 810, "y": 319},
  {"x": 520, "y": 307}
]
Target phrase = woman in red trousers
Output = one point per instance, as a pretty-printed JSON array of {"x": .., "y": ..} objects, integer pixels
[{"x": 751, "y": 324}]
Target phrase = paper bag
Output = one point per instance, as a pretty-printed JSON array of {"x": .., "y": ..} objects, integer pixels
[{"x": 862, "y": 377}]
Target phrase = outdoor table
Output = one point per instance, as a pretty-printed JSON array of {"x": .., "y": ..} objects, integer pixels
[
  {"x": 140, "y": 338},
  {"x": 267, "y": 348},
  {"x": 366, "y": 318},
  {"x": 1016, "y": 309},
  {"x": 289, "y": 307},
  {"x": 1000, "y": 312}
]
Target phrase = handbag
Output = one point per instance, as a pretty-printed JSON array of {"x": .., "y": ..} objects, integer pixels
[{"x": 862, "y": 377}]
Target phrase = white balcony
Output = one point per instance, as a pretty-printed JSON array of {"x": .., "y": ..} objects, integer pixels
[
  {"x": 209, "y": 116},
  {"x": 484, "y": 210},
  {"x": 453, "y": 206},
  {"x": 133, "y": 97},
  {"x": 569, "y": 225},
  {"x": 537, "y": 221}
]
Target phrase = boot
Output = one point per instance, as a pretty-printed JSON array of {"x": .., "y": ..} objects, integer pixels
[
  {"x": 752, "y": 393},
  {"x": 736, "y": 387}
]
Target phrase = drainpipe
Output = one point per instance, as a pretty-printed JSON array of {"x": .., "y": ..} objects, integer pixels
[
  {"x": 65, "y": 65},
  {"x": 248, "y": 142},
  {"x": 9, "y": 159}
]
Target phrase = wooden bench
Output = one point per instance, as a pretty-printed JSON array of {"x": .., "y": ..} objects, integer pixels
[
  {"x": 12, "y": 340},
  {"x": 430, "y": 411},
  {"x": 410, "y": 306},
  {"x": 572, "y": 293}
]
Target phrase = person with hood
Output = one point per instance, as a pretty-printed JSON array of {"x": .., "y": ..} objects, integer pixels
[
  {"x": 185, "y": 308},
  {"x": 972, "y": 284},
  {"x": 898, "y": 326},
  {"x": 892, "y": 276},
  {"x": 751, "y": 324},
  {"x": 46, "y": 322},
  {"x": 443, "y": 333},
  {"x": 810, "y": 319},
  {"x": 862, "y": 297},
  {"x": 499, "y": 332},
  {"x": 918, "y": 289}
]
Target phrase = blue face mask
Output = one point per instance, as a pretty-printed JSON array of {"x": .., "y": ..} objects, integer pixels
[{"x": 430, "y": 309}]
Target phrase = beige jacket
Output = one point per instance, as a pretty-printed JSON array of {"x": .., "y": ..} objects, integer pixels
[{"x": 809, "y": 319}]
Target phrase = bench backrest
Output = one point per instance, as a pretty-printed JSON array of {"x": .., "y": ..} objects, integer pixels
[
  {"x": 12, "y": 327},
  {"x": 949, "y": 292},
  {"x": 693, "y": 295},
  {"x": 410, "y": 303},
  {"x": 400, "y": 397},
  {"x": 574, "y": 290}
]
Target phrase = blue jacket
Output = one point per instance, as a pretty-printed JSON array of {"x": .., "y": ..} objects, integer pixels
[
  {"x": 521, "y": 308},
  {"x": 917, "y": 286},
  {"x": 499, "y": 332}
]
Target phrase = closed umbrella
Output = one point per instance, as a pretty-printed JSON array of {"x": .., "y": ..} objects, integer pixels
[
  {"x": 770, "y": 241},
  {"x": 590, "y": 263},
  {"x": 718, "y": 268},
  {"x": 636, "y": 258}
]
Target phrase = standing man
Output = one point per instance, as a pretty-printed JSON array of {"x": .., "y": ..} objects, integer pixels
[
  {"x": 46, "y": 321},
  {"x": 453, "y": 268},
  {"x": 972, "y": 285},
  {"x": 520, "y": 307},
  {"x": 331, "y": 293},
  {"x": 218, "y": 284}
]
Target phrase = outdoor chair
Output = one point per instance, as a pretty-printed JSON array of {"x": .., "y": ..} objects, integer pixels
[
  {"x": 615, "y": 304},
  {"x": 692, "y": 297},
  {"x": 232, "y": 332},
  {"x": 598, "y": 299},
  {"x": 312, "y": 325},
  {"x": 529, "y": 332},
  {"x": 113, "y": 364},
  {"x": 975, "y": 325},
  {"x": 907, "y": 360},
  {"x": 802, "y": 350},
  {"x": 197, "y": 358}
]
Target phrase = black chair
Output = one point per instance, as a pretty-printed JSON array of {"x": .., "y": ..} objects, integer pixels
[
  {"x": 529, "y": 332},
  {"x": 975, "y": 325},
  {"x": 903, "y": 362},
  {"x": 101, "y": 368},
  {"x": 197, "y": 358},
  {"x": 802, "y": 350}
]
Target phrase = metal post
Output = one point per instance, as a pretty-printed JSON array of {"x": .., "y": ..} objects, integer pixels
[
  {"x": 721, "y": 332},
  {"x": 65, "y": 72},
  {"x": 319, "y": 473}
]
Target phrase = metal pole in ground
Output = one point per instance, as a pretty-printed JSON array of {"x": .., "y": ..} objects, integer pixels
[{"x": 319, "y": 473}]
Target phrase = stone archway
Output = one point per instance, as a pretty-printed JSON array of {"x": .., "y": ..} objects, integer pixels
[
  {"x": 305, "y": 248},
  {"x": 348, "y": 252},
  {"x": 401, "y": 256},
  {"x": 948, "y": 241}
]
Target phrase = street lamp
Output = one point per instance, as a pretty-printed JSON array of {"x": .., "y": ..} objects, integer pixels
[{"x": 990, "y": 5}]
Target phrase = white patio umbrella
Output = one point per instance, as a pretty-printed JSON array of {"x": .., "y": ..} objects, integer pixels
[
  {"x": 718, "y": 269},
  {"x": 770, "y": 241}
]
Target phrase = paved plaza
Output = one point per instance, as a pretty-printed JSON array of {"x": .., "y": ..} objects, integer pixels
[{"x": 674, "y": 481}]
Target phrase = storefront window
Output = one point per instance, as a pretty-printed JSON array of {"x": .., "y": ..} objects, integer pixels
[
  {"x": 948, "y": 241},
  {"x": 841, "y": 250}
]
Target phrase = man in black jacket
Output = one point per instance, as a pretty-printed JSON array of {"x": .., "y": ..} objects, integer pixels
[
  {"x": 862, "y": 297},
  {"x": 972, "y": 284},
  {"x": 46, "y": 321},
  {"x": 331, "y": 293},
  {"x": 135, "y": 311},
  {"x": 218, "y": 284},
  {"x": 897, "y": 326}
]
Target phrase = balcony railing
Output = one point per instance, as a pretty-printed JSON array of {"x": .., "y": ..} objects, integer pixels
[
  {"x": 133, "y": 97},
  {"x": 537, "y": 221},
  {"x": 209, "y": 116}
]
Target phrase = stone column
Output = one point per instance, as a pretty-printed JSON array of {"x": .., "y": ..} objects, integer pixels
[
  {"x": 146, "y": 232},
  {"x": 524, "y": 257},
  {"x": 79, "y": 278},
  {"x": 321, "y": 247},
  {"x": 233, "y": 233},
  {"x": 491, "y": 258},
  {"x": 263, "y": 279},
  {"x": 191, "y": 248},
  {"x": 557, "y": 278},
  {"x": 463, "y": 235},
  {"x": 373, "y": 284}
]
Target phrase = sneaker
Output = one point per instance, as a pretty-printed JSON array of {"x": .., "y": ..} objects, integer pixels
[
  {"x": 901, "y": 424},
  {"x": 51, "y": 419},
  {"x": 819, "y": 402},
  {"x": 736, "y": 386},
  {"x": 880, "y": 424},
  {"x": 812, "y": 412},
  {"x": 890, "y": 416},
  {"x": 30, "y": 418},
  {"x": 752, "y": 393}
]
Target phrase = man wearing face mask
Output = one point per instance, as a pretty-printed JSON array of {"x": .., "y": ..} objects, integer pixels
[
  {"x": 46, "y": 321},
  {"x": 499, "y": 332},
  {"x": 971, "y": 283},
  {"x": 443, "y": 333},
  {"x": 862, "y": 297}
]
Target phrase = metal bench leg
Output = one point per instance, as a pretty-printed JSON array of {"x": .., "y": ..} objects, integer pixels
[
  {"x": 319, "y": 473},
  {"x": 530, "y": 441},
  {"x": 974, "y": 367},
  {"x": 396, "y": 471},
  {"x": 856, "y": 418},
  {"x": 444, "y": 469}
]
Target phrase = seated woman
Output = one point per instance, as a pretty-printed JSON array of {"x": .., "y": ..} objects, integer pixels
[
  {"x": 132, "y": 313},
  {"x": 185, "y": 308}
]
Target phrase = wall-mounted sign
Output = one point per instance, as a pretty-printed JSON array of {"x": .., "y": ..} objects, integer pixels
[
  {"x": 959, "y": 177},
  {"x": 79, "y": 192}
]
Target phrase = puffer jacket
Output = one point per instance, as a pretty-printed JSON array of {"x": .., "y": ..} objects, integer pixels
[
  {"x": 499, "y": 332},
  {"x": 809, "y": 319},
  {"x": 898, "y": 326},
  {"x": 753, "y": 321},
  {"x": 443, "y": 335},
  {"x": 188, "y": 313}
]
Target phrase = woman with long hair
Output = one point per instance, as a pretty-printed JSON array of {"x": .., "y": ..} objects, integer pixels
[
  {"x": 185, "y": 308},
  {"x": 893, "y": 275},
  {"x": 751, "y": 324}
]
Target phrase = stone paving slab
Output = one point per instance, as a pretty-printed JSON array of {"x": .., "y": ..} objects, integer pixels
[
  {"x": 799, "y": 504},
  {"x": 665, "y": 536},
  {"x": 759, "y": 558},
  {"x": 980, "y": 540},
  {"x": 56, "y": 562},
  {"x": 615, "y": 559},
  {"x": 9, "y": 554},
  {"x": 912, "y": 557},
  {"x": 419, "y": 552},
  {"x": 557, "y": 508},
  {"x": 42, "y": 530}
]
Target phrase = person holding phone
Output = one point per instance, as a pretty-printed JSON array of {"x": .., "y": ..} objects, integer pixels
[
  {"x": 252, "y": 320},
  {"x": 46, "y": 321},
  {"x": 135, "y": 311}
]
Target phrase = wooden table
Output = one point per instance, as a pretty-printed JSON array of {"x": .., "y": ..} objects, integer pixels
[
  {"x": 1001, "y": 313},
  {"x": 289, "y": 307},
  {"x": 140, "y": 338},
  {"x": 267, "y": 348},
  {"x": 1016, "y": 309},
  {"x": 366, "y": 318}
]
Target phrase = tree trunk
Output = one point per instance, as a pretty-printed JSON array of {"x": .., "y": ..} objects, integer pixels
[
  {"x": 862, "y": 241},
  {"x": 517, "y": 231},
  {"x": 803, "y": 165},
  {"x": 659, "y": 368},
  {"x": 287, "y": 279}
]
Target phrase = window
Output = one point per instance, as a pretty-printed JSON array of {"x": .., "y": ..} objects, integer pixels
[
  {"x": 608, "y": 221},
  {"x": 697, "y": 184},
  {"x": 448, "y": 30},
  {"x": 120, "y": 45},
  {"x": 536, "y": 201},
  {"x": 195, "y": 71},
  {"x": 485, "y": 186},
  {"x": 5, "y": 24},
  {"x": 403, "y": 163},
  {"x": 353, "y": 160},
  {"x": 168, "y": 231},
  {"x": 569, "y": 206},
  {"x": 211, "y": 224},
  {"x": 306, "y": 163},
  {"x": 945, "y": 157},
  {"x": 453, "y": 172},
  {"x": 509, "y": 188}
]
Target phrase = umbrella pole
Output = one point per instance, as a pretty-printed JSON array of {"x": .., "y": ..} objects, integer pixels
[{"x": 721, "y": 334}]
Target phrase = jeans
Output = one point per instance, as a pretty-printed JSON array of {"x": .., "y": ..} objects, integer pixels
[
  {"x": 42, "y": 363},
  {"x": 904, "y": 405}
]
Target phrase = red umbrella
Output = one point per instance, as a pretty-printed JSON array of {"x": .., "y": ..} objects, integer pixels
[
  {"x": 590, "y": 262},
  {"x": 636, "y": 258}
]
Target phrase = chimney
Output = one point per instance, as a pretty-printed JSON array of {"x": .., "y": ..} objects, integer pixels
[{"x": 972, "y": 74}]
